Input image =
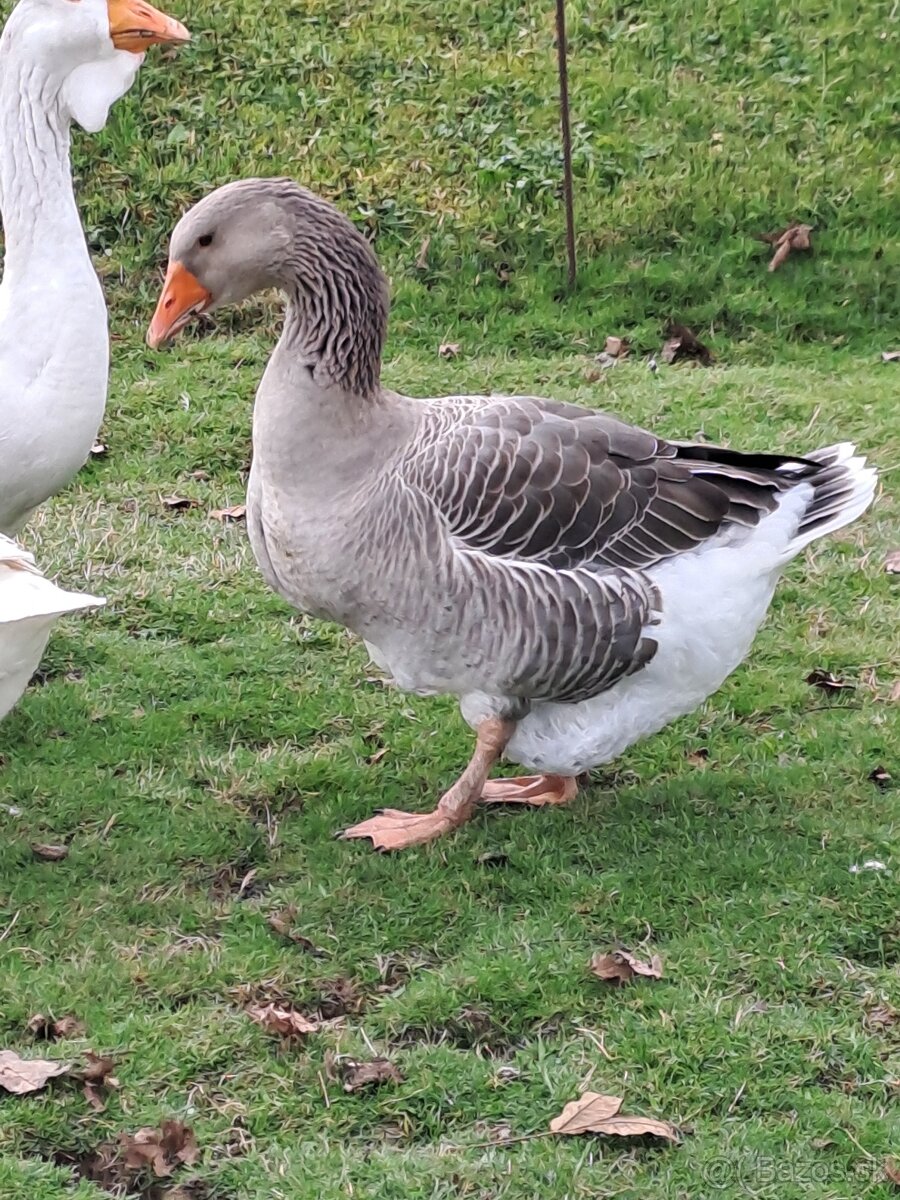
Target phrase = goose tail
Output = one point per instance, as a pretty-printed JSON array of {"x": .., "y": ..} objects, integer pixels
[{"x": 843, "y": 488}]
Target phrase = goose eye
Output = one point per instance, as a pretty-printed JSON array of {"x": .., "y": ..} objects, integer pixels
[{"x": 206, "y": 239}]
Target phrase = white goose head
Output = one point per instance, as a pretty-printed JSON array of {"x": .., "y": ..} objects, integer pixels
[{"x": 88, "y": 51}]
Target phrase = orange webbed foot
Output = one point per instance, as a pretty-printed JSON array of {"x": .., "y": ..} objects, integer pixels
[
  {"x": 536, "y": 790},
  {"x": 392, "y": 829}
]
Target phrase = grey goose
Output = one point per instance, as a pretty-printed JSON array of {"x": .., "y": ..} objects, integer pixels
[{"x": 576, "y": 581}]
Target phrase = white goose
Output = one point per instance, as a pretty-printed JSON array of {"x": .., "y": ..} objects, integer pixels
[
  {"x": 60, "y": 61},
  {"x": 29, "y": 604},
  {"x": 576, "y": 581}
]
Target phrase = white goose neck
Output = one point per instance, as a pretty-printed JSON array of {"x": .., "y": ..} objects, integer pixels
[{"x": 40, "y": 219}]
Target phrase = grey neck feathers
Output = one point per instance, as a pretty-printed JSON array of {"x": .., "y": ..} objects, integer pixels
[
  {"x": 36, "y": 194},
  {"x": 338, "y": 303}
]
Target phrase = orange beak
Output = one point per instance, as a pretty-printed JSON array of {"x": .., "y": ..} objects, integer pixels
[
  {"x": 135, "y": 25},
  {"x": 183, "y": 296}
]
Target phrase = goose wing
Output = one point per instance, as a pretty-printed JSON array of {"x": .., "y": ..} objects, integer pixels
[{"x": 546, "y": 482}]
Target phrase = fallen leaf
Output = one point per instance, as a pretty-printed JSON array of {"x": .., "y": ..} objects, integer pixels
[
  {"x": 880, "y": 777},
  {"x": 98, "y": 1079},
  {"x": 892, "y": 562},
  {"x": 683, "y": 343},
  {"x": 828, "y": 682},
  {"x": 616, "y": 347},
  {"x": 162, "y": 1150},
  {"x": 895, "y": 692},
  {"x": 284, "y": 1021},
  {"x": 448, "y": 349},
  {"x": 698, "y": 757},
  {"x": 892, "y": 1170},
  {"x": 594, "y": 1113},
  {"x": 890, "y": 356},
  {"x": 620, "y": 966},
  {"x": 359, "y": 1075},
  {"x": 98, "y": 450},
  {"x": 23, "y": 1075},
  {"x": 377, "y": 756},
  {"x": 46, "y": 1029},
  {"x": 422, "y": 259},
  {"x": 237, "y": 512},
  {"x": 785, "y": 241},
  {"x": 50, "y": 853},
  {"x": 179, "y": 502}
]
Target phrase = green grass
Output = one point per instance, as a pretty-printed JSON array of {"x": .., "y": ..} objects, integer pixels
[
  {"x": 696, "y": 126},
  {"x": 196, "y": 730}
]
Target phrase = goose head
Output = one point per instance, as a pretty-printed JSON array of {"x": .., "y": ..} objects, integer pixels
[
  {"x": 90, "y": 50},
  {"x": 229, "y": 246}
]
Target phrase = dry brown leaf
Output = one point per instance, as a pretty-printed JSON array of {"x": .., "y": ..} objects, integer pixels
[
  {"x": 892, "y": 1170},
  {"x": 237, "y": 512},
  {"x": 49, "y": 853},
  {"x": 98, "y": 450},
  {"x": 284, "y": 1021},
  {"x": 785, "y": 241},
  {"x": 698, "y": 757},
  {"x": 98, "y": 1078},
  {"x": 46, "y": 1029},
  {"x": 595, "y": 1113},
  {"x": 23, "y": 1075},
  {"x": 682, "y": 342},
  {"x": 583, "y": 1114},
  {"x": 162, "y": 1150},
  {"x": 828, "y": 682},
  {"x": 179, "y": 502},
  {"x": 448, "y": 349},
  {"x": 892, "y": 562},
  {"x": 890, "y": 356},
  {"x": 359, "y": 1075},
  {"x": 616, "y": 347},
  {"x": 895, "y": 691},
  {"x": 620, "y": 966}
]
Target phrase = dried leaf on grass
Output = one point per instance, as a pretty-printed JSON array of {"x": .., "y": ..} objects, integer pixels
[
  {"x": 895, "y": 692},
  {"x": 698, "y": 757},
  {"x": 785, "y": 241},
  {"x": 98, "y": 1079},
  {"x": 161, "y": 1150},
  {"x": 614, "y": 351},
  {"x": 179, "y": 502},
  {"x": 237, "y": 512},
  {"x": 892, "y": 562},
  {"x": 882, "y": 1017},
  {"x": 892, "y": 1170},
  {"x": 47, "y": 853},
  {"x": 449, "y": 349},
  {"x": 47, "y": 1029},
  {"x": 682, "y": 342},
  {"x": 99, "y": 450},
  {"x": 283, "y": 1020},
  {"x": 881, "y": 777},
  {"x": 357, "y": 1076},
  {"x": 890, "y": 356},
  {"x": 621, "y": 966},
  {"x": 595, "y": 1113},
  {"x": 23, "y": 1075},
  {"x": 828, "y": 682}
]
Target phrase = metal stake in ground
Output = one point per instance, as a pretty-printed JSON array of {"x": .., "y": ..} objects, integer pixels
[{"x": 566, "y": 136}]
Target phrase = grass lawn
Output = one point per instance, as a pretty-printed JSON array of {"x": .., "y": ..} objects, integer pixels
[{"x": 197, "y": 743}]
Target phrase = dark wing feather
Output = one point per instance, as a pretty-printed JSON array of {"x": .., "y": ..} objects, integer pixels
[{"x": 547, "y": 482}]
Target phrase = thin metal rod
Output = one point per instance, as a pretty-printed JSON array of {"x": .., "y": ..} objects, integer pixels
[{"x": 568, "y": 188}]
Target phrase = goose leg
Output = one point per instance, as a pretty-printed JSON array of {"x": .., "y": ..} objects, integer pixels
[
  {"x": 536, "y": 790},
  {"x": 392, "y": 829}
]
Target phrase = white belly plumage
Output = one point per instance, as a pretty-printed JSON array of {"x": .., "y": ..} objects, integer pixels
[{"x": 714, "y": 601}]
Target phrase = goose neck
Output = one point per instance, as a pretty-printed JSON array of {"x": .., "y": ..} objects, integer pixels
[{"x": 40, "y": 218}]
